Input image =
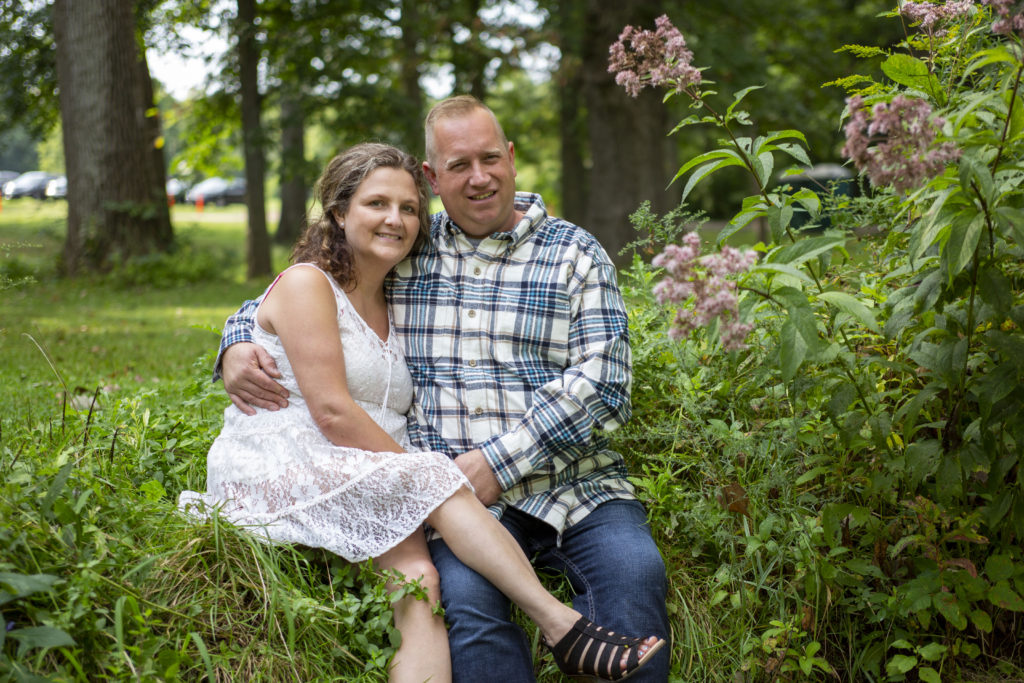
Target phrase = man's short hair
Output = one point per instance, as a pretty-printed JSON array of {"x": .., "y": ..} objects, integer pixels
[{"x": 452, "y": 108}]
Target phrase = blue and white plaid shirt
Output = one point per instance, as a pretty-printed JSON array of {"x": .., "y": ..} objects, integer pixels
[{"x": 518, "y": 345}]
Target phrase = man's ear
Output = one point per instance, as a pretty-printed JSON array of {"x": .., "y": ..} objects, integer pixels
[
  {"x": 431, "y": 177},
  {"x": 512, "y": 157}
]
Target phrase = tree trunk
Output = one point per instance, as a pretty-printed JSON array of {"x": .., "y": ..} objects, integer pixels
[
  {"x": 258, "y": 242},
  {"x": 571, "y": 122},
  {"x": 631, "y": 154},
  {"x": 117, "y": 202},
  {"x": 410, "y": 77},
  {"x": 294, "y": 184}
]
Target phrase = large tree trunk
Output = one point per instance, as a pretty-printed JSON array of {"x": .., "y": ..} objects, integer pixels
[
  {"x": 632, "y": 157},
  {"x": 258, "y": 242},
  {"x": 117, "y": 202},
  {"x": 294, "y": 184}
]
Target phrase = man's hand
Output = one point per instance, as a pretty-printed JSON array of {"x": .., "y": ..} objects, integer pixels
[
  {"x": 474, "y": 465},
  {"x": 249, "y": 372}
]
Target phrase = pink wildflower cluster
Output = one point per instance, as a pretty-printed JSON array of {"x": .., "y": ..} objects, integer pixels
[
  {"x": 655, "y": 58},
  {"x": 687, "y": 274},
  {"x": 1011, "y": 16},
  {"x": 896, "y": 145},
  {"x": 929, "y": 15}
]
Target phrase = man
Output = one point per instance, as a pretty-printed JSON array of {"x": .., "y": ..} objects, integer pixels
[{"x": 516, "y": 336}]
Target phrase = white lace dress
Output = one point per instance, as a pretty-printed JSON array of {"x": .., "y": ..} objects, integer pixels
[{"x": 277, "y": 473}]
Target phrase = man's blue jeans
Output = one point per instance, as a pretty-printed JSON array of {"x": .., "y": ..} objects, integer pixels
[{"x": 614, "y": 568}]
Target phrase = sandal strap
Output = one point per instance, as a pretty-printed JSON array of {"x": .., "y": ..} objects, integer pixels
[{"x": 592, "y": 650}]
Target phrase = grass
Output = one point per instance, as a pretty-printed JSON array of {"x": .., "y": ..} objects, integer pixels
[
  {"x": 107, "y": 412},
  {"x": 120, "y": 337}
]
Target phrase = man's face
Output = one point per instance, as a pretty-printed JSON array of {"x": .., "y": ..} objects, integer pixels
[{"x": 474, "y": 172}]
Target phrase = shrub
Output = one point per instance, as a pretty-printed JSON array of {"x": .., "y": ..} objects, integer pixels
[{"x": 864, "y": 452}]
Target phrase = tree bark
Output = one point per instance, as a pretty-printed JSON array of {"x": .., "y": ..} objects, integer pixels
[
  {"x": 117, "y": 202},
  {"x": 257, "y": 242},
  {"x": 410, "y": 77},
  {"x": 294, "y": 185},
  {"x": 631, "y": 153},
  {"x": 571, "y": 122}
]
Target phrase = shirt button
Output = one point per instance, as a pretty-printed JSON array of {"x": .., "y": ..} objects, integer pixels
[
  {"x": 479, "y": 410},
  {"x": 472, "y": 362},
  {"x": 472, "y": 314},
  {"x": 477, "y": 271}
]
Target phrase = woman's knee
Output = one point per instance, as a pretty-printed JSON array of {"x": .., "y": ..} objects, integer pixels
[{"x": 422, "y": 570}]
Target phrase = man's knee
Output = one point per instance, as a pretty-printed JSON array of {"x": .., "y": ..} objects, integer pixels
[{"x": 461, "y": 587}]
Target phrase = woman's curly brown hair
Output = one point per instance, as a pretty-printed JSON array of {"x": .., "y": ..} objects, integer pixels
[{"x": 323, "y": 242}]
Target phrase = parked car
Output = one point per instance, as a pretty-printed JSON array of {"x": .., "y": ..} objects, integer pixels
[
  {"x": 176, "y": 189},
  {"x": 57, "y": 188},
  {"x": 822, "y": 179},
  {"x": 31, "y": 184},
  {"x": 219, "y": 191},
  {"x": 6, "y": 176}
]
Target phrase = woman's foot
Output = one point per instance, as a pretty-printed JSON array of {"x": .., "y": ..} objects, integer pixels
[{"x": 591, "y": 650}]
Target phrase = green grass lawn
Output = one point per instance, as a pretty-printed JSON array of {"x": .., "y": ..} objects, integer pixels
[{"x": 99, "y": 334}]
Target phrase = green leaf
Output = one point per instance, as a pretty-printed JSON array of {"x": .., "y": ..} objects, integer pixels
[
  {"x": 999, "y": 567},
  {"x": 796, "y": 151},
  {"x": 928, "y": 291},
  {"x": 805, "y": 249},
  {"x": 929, "y": 675},
  {"x": 852, "y": 306},
  {"x": 934, "y": 222},
  {"x": 738, "y": 222},
  {"x": 738, "y": 97},
  {"x": 56, "y": 488},
  {"x": 900, "y": 664},
  {"x": 1010, "y": 220},
  {"x": 812, "y": 474},
  {"x": 1016, "y": 117},
  {"x": 808, "y": 199},
  {"x": 792, "y": 350},
  {"x": 996, "y": 289},
  {"x": 764, "y": 164},
  {"x": 993, "y": 56},
  {"x": 153, "y": 490},
  {"x": 932, "y": 652},
  {"x": 704, "y": 158},
  {"x": 963, "y": 241},
  {"x": 782, "y": 269},
  {"x": 913, "y": 73},
  {"x": 704, "y": 171},
  {"x": 949, "y": 607},
  {"x": 1001, "y": 595},
  {"x": 981, "y": 620},
  {"x": 15, "y": 586},
  {"x": 777, "y": 135},
  {"x": 975, "y": 177},
  {"x": 922, "y": 458},
  {"x": 45, "y": 637}
]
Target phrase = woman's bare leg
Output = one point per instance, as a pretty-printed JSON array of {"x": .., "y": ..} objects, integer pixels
[
  {"x": 423, "y": 654},
  {"x": 484, "y": 545}
]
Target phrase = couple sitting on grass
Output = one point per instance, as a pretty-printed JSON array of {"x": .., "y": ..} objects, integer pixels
[{"x": 500, "y": 332}]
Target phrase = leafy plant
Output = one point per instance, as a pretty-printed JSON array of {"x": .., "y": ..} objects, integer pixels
[{"x": 894, "y": 369}]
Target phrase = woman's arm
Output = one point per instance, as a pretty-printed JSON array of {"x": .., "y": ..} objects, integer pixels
[{"x": 302, "y": 311}]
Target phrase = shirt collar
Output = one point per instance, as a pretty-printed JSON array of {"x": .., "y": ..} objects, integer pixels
[{"x": 531, "y": 204}]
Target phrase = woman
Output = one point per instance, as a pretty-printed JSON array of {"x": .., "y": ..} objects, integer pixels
[{"x": 331, "y": 470}]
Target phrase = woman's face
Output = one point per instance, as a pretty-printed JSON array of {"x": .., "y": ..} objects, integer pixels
[{"x": 382, "y": 220}]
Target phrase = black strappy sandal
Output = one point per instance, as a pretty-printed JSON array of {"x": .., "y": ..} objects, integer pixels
[{"x": 589, "y": 650}]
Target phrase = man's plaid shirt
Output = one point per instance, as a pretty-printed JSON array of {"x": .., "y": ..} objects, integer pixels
[{"x": 518, "y": 346}]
